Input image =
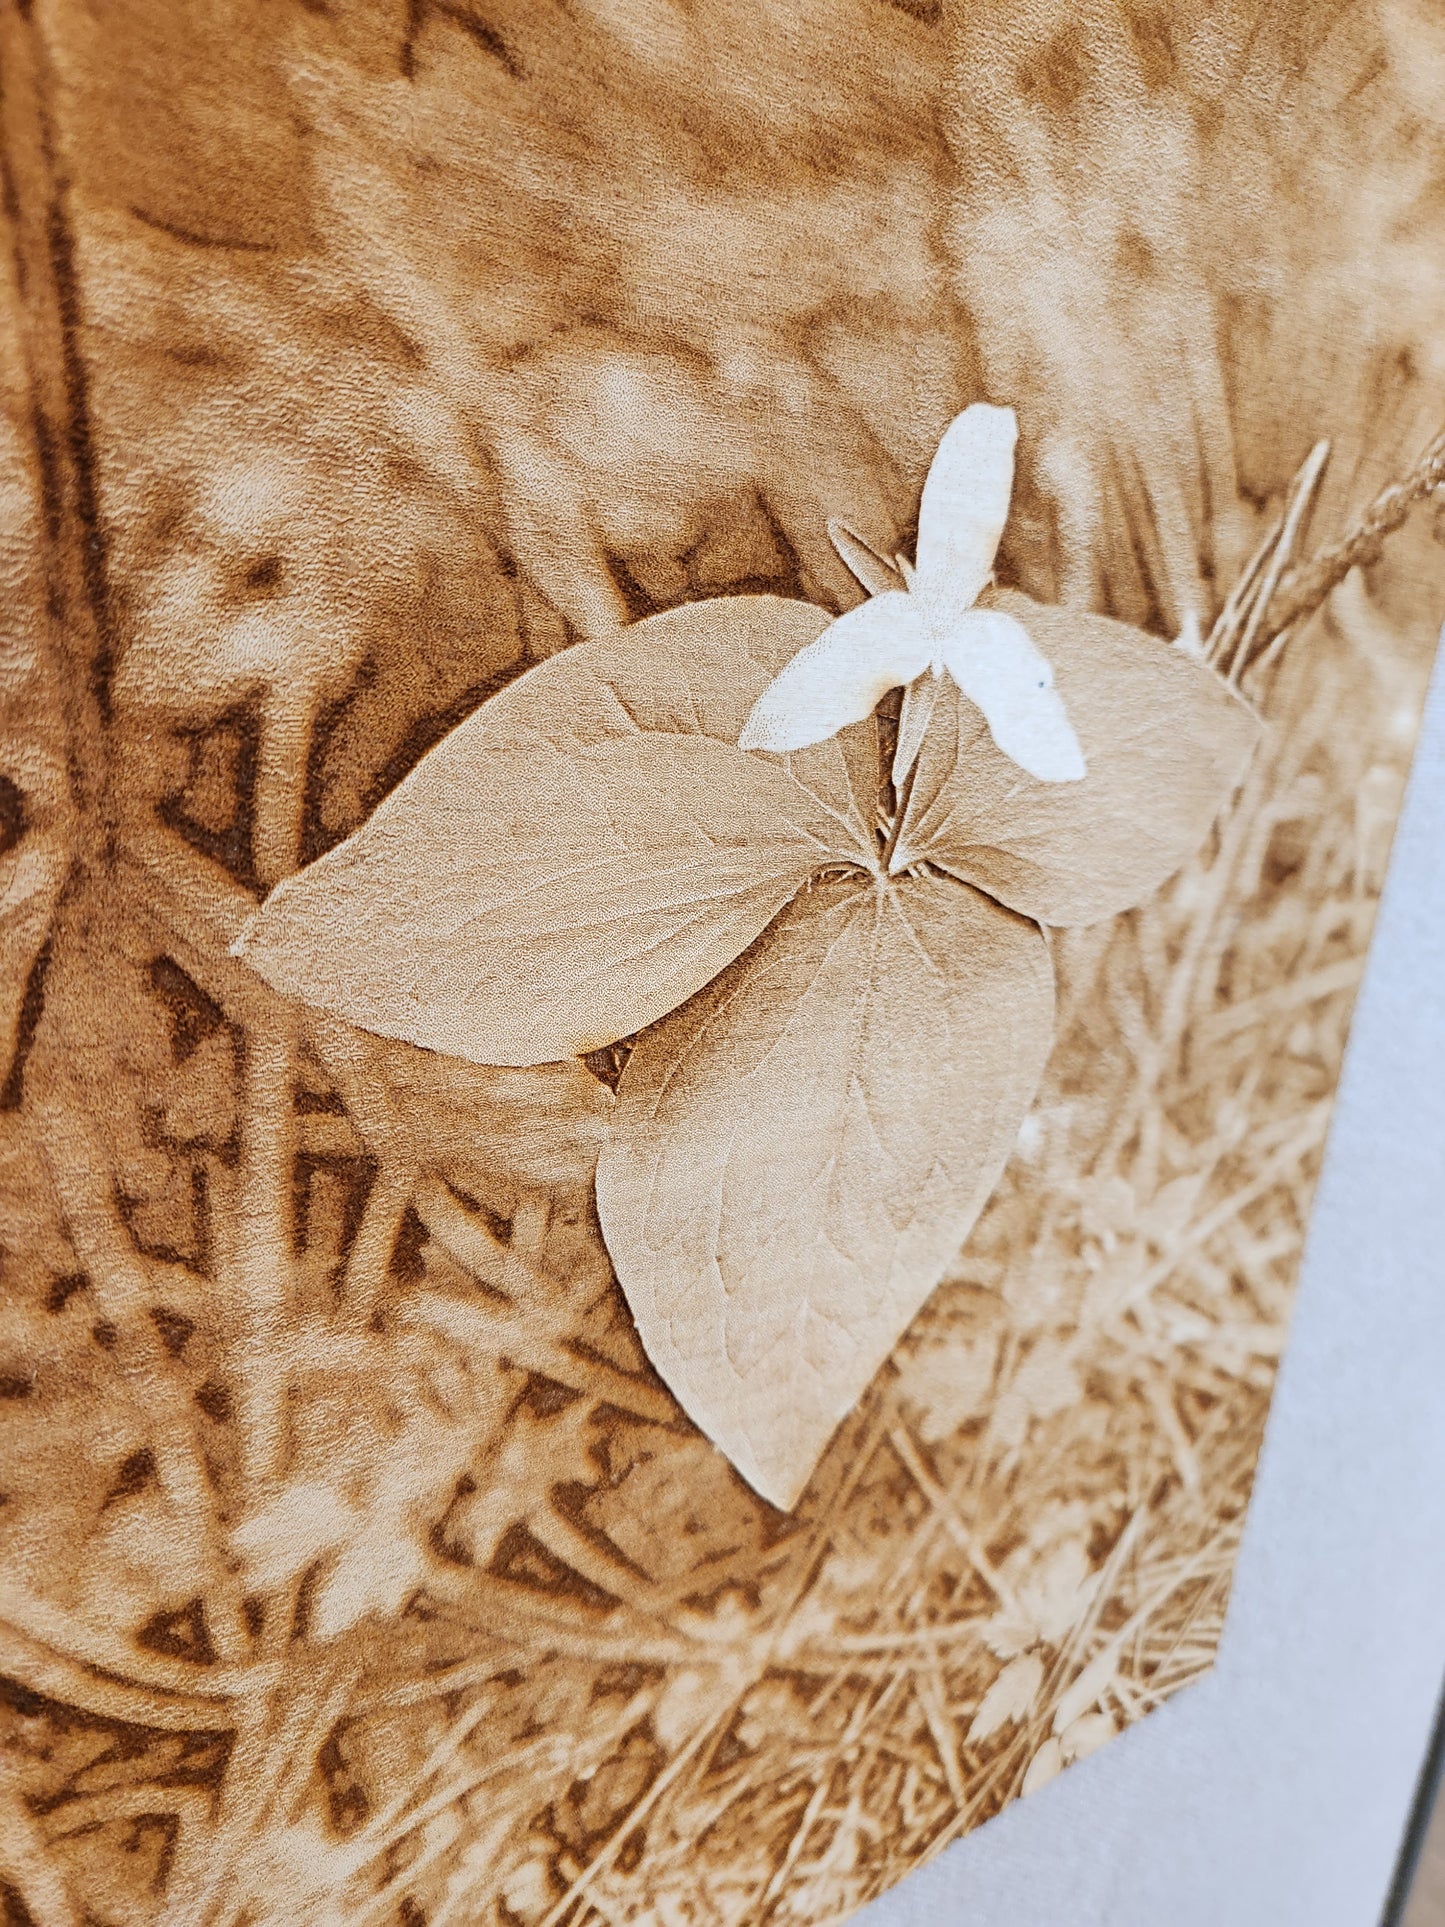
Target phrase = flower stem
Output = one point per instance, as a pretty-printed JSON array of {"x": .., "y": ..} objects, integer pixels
[{"x": 895, "y": 828}]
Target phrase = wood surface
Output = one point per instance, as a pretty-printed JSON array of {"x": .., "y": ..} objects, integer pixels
[{"x": 358, "y": 357}]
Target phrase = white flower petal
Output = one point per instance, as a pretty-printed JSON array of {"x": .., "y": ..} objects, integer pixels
[
  {"x": 965, "y": 505},
  {"x": 994, "y": 662},
  {"x": 838, "y": 679}
]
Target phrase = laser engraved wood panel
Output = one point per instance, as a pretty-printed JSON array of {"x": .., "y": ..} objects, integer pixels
[{"x": 600, "y": 1325}]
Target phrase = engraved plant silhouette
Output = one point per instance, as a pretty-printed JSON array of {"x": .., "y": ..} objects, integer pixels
[
  {"x": 914, "y": 637},
  {"x": 836, "y": 983}
]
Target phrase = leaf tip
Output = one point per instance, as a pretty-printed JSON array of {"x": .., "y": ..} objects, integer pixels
[{"x": 781, "y": 1486}]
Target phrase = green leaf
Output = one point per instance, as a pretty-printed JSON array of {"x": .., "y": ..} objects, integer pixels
[
  {"x": 579, "y": 856},
  {"x": 799, "y": 1152},
  {"x": 1166, "y": 742}
]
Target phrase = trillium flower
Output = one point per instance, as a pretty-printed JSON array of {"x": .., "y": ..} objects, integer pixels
[
  {"x": 912, "y": 636},
  {"x": 833, "y": 1050},
  {"x": 834, "y": 1046}
]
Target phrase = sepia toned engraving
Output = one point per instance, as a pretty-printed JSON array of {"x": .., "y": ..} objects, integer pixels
[{"x": 371, "y": 374}]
